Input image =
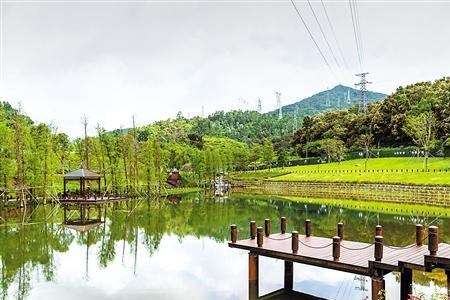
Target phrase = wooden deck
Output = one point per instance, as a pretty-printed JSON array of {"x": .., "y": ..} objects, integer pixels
[
  {"x": 86, "y": 201},
  {"x": 442, "y": 260},
  {"x": 355, "y": 257},
  {"x": 342, "y": 255},
  {"x": 319, "y": 252}
]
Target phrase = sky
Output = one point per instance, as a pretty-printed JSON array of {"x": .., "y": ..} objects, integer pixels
[{"x": 111, "y": 60}]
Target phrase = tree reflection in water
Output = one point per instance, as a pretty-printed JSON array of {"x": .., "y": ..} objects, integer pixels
[{"x": 28, "y": 250}]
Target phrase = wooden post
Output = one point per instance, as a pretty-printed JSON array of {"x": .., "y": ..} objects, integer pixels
[
  {"x": 433, "y": 239},
  {"x": 294, "y": 239},
  {"x": 340, "y": 230},
  {"x": 447, "y": 272},
  {"x": 81, "y": 213},
  {"x": 378, "y": 248},
  {"x": 336, "y": 248},
  {"x": 379, "y": 230},
  {"x": 253, "y": 276},
  {"x": 267, "y": 227},
  {"x": 283, "y": 225},
  {"x": 288, "y": 275},
  {"x": 406, "y": 278},
  {"x": 378, "y": 286},
  {"x": 233, "y": 232},
  {"x": 419, "y": 235},
  {"x": 99, "y": 213},
  {"x": 259, "y": 236},
  {"x": 252, "y": 229},
  {"x": 65, "y": 214},
  {"x": 308, "y": 227}
]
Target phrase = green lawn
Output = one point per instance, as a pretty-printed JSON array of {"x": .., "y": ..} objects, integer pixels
[
  {"x": 180, "y": 191},
  {"x": 298, "y": 173}
]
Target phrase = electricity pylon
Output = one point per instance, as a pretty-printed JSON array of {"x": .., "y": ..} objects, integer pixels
[
  {"x": 280, "y": 109},
  {"x": 363, "y": 92}
]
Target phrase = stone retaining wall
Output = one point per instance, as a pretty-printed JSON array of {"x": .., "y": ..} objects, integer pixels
[{"x": 434, "y": 195}]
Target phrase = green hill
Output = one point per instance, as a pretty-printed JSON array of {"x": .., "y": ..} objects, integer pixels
[{"x": 334, "y": 99}]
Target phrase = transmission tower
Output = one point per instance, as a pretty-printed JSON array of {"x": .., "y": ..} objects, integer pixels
[
  {"x": 84, "y": 122},
  {"x": 328, "y": 98},
  {"x": 338, "y": 102},
  {"x": 363, "y": 92},
  {"x": 259, "y": 105},
  {"x": 295, "y": 120},
  {"x": 280, "y": 109},
  {"x": 243, "y": 103},
  {"x": 349, "y": 100},
  {"x": 203, "y": 111}
]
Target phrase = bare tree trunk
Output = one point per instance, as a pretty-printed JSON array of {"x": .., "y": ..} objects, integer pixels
[
  {"x": 84, "y": 121},
  {"x": 135, "y": 163}
]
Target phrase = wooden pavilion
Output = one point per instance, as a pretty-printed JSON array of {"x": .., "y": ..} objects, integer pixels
[{"x": 82, "y": 175}]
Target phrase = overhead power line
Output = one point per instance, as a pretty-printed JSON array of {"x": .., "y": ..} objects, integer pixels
[
  {"x": 323, "y": 34},
  {"x": 356, "y": 31},
  {"x": 313, "y": 39},
  {"x": 334, "y": 34}
]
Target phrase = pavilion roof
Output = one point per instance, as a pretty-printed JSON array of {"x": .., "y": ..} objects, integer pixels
[{"x": 81, "y": 173}]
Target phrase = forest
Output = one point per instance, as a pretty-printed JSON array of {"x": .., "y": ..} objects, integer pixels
[{"x": 139, "y": 158}]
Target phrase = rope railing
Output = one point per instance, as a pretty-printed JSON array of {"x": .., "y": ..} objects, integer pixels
[
  {"x": 418, "y": 243},
  {"x": 315, "y": 247},
  {"x": 357, "y": 249},
  {"x": 280, "y": 239}
]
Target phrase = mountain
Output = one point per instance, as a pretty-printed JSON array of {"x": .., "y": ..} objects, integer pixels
[{"x": 338, "y": 100}]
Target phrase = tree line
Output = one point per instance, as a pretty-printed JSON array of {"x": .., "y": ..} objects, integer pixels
[
  {"x": 417, "y": 114},
  {"x": 37, "y": 155},
  {"x": 34, "y": 157}
]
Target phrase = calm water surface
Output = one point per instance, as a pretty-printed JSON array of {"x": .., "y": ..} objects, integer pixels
[{"x": 177, "y": 249}]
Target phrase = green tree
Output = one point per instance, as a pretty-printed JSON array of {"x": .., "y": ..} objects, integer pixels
[
  {"x": 268, "y": 152},
  {"x": 421, "y": 129}
]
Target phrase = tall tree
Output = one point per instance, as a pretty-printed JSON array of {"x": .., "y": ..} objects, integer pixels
[
  {"x": 421, "y": 129},
  {"x": 268, "y": 152},
  {"x": 19, "y": 126}
]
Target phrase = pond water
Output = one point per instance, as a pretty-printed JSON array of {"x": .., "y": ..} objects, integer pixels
[{"x": 177, "y": 249}]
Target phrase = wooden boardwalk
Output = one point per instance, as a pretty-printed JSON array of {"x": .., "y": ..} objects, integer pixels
[
  {"x": 92, "y": 200},
  {"x": 373, "y": 260}
]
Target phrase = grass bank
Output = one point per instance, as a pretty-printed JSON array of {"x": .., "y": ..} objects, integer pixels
[
  {"x": 412, "y": 210},
  {"x": 181, "y": 191},
  {"x": 379, "y": 170}
]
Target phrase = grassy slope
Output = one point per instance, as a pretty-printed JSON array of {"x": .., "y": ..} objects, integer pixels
[
  {"x": 425, "y": 178},
  {"x": 180, "y": 191}
]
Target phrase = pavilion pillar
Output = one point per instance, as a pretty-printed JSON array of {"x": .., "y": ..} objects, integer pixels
[
  {"x": 98, "y": 184},
  {"x": 65, "y": 186},
  {"x": 288, "y": 275},
  {"x": 253, "y": 276},
  {"x": 378, "y": 287},
  {"x": 65, "y": 213},
  {"x": 406, "y": 278}
]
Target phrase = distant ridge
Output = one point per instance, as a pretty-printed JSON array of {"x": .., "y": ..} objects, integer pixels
[{"x": 337, "y": 101}]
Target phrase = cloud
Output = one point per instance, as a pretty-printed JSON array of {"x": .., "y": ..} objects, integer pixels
[{"x": 113, "y": 60}]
